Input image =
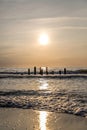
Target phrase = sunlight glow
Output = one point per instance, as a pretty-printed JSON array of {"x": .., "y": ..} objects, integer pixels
[
  {"x": 44, "y": 84},
  {"x": 43, "y": 39},
  {"x": 43, "y": 120}
]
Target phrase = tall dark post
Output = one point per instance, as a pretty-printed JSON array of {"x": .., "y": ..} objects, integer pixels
[
  {"x": 64, "y": 70},
  {"x": 46, "y": 70},
  {"x": 35, "y": 70},
  {"x": 29, "y": 71}
]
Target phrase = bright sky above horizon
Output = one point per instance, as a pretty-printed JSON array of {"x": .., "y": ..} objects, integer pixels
[{"x": 23, "y": 21}]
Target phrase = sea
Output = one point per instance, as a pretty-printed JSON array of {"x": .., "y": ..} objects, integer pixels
[{"x": 55, "y": 92}]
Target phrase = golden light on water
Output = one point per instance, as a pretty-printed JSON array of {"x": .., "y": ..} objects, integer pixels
[
  {"x": 43, "y": 120},
  {"x": 43, "y": 39},
  {"x": 44, "y": 84}
]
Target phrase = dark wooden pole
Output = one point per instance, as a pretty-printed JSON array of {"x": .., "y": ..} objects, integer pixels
[
  {"x": 52, "y": 72},
  {"x": 46, "y": 70},
  {"x": 35, "y": 70},
  {"x": 40, "y": 70},
  {"x": 60, "y": 72},
  {"x": 64, "y": 70},
  {"x": 29, "y": 71}
]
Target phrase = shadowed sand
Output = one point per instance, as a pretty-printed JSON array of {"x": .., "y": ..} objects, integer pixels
[{"x": 26, "y": 119}]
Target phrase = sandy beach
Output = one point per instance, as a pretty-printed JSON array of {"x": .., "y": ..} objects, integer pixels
[
  {"x": 43, "y": 65},
  {"x": 27, "y": 119}
]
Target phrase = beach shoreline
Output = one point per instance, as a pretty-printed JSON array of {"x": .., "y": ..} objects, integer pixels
[{"x": 28, "y": 119}]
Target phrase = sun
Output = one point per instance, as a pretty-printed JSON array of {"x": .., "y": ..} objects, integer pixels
[{"x": 43, "y": 39}]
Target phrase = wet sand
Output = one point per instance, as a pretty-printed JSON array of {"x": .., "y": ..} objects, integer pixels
[{"x": 27, "y": 119}]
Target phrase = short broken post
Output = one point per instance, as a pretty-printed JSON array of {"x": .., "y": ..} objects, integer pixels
[
  {"x": 41, "y": 71},
  {"x": 60, "y": 72},
  {"x": 52, "y": 72}
]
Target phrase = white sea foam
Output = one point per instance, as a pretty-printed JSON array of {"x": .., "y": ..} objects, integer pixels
[
  {"x": 60, "y": 101},
  {"x": 65, "y": 93}
]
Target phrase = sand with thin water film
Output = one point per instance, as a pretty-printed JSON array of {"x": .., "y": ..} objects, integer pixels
[{"x": 27, "y": 119}]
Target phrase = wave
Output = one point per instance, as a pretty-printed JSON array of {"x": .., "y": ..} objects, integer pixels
[
  {"x": 60, "y": 101},
  {"x": 44, "y": 76}
]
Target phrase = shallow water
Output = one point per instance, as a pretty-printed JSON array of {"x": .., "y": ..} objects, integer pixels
[
  {"x": 67, "y": 95},
  {"x": 20, "y": 119}
]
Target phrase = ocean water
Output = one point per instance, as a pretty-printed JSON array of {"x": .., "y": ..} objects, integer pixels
[{"x": 56, "y": 93}]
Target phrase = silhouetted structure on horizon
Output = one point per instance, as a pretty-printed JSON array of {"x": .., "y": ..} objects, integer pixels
[
  {"x": 46, "y": 70},
  {"x": 64, "y": 70},
  {"x": 52, "y": 72},
  {"x": 41, "y": 71},
  {"x": 29, "y": 71},
  {"x": 60, "y": 72},
  {"x": 35, "y": 70}
]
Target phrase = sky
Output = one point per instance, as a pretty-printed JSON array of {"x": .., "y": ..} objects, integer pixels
[{"x": 23, "y": 21}]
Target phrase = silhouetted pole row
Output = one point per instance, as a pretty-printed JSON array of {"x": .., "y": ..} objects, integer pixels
[{"x": 46, "y": 72}]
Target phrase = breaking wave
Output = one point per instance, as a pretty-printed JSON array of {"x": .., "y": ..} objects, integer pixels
[
  {"x": 54, "y": 92},
  {"x": 45, "y": 76},
  {"x": 60, "y": 101}
]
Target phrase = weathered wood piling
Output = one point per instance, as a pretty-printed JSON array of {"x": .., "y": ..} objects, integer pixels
[
  {"x": 52, "y": 72},
  {"x": 64, "y": 70},
  {"x": 41, "y": 71},
  {"x": 60, "y": 72},
  {"x": 29, "y": 71},
  {"x": 35, "y": 70},
  {"x": 46, "y": 70}
]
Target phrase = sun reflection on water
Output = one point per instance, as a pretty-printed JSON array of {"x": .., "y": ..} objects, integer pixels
[
  {"x": 43, "y": 120},
  {"x": 44, "y": 84}
]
